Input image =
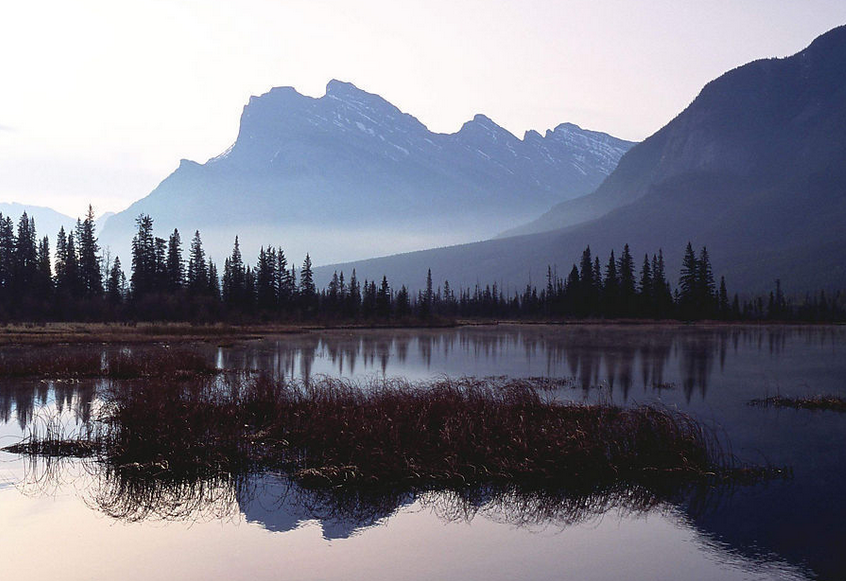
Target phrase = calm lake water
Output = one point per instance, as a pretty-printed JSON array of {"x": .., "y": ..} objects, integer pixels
[{"x": 68, "y": 520}]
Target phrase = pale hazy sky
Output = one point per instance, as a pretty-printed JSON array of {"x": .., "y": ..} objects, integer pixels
[{"x": 100, "y": 99}]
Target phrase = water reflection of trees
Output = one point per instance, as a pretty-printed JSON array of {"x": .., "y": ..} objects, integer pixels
[
  {"x": 21, "y": 400},
  {"x": 617, "y": 358}
]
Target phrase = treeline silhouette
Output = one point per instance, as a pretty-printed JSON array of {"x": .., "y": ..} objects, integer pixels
[{"x": 79, "y": 283}]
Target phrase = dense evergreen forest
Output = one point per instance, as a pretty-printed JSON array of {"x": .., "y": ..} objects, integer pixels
[{"x": 79, "y": 283}]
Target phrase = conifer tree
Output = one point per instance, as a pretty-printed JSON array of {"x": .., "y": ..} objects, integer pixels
[
  {"x": 234, "y": 278},
  {"x": 144, "y": 265},
  {"x": 333, "y": 292},
  {"x": 61, "y": 260},
  {"x": 724, "y": 302},
  {"x": 645, "y": 288},
  {"x": 160, "y": 280},
  {"x": 308, "y": 292},
  {"x": 266, "y": 284},
  {"x": 688, "y": 280},
  {"x": 611, "y": 288},
  {"x": 248, "y": 298},
  {"x": 587, "y": 284},
  {"x": 706, "y": 292},
  {"x": 26, "y": 258},
  {"x": 116, "y": 283},
  {"x": 403, "y": 304},
  {"x": 43, "y": 288},
  {"x": 354, "y": 298},
  {"x": 7, "y": 257},
  {"x": 213, "y": 281},
  {"x": 628, "y": 294},
  {"x": 175, "y": 265},
  {"x": 287, "y": 282},
  {"x": 383, "y": 299},
  {"x": 198, "y": 276},
  {"x": 663, "y": 297},
  {"x": 90, "y": 274},
  {"x": 428, "y": 296},
  {"x": 72, "y": 270}
]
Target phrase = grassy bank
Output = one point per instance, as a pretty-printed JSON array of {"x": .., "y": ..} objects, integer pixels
[{"x": 148, "y": 332}]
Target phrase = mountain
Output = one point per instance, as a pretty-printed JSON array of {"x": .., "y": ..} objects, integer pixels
[
  {"x": 47, "y": 220},
  {"x": 754, "y": 169},
  {"x": 348, "y": 175}
]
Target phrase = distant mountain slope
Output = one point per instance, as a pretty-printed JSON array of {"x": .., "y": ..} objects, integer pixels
[
  {"x": 754, "y": 168},
  {"x": 349, "y": 175},
  {"x": 47, "y": 220}
]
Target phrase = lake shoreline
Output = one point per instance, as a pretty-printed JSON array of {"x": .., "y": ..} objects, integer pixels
[{"x": 50, "y": 333}]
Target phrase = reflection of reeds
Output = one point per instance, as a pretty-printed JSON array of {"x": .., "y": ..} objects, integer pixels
[
  {"x": 48, "y": 437},
  {"x": 816, "y": 402},
  {"x": 123, "y": 494},
  {"x": 64, "y": 363}
]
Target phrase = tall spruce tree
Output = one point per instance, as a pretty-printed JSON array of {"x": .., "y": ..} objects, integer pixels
[
  {"x": 611, "y": 288},
  {"x": 7, "y": 257},
  {"x": 26, "y": 258},
  {"x": 213, "y": 281},
  {"x": 628, "y": 294},
  {"x": 198, "y": 275},
  {"x": 73, "y": 285},
  {"x": 645, "y": 287},
  {"x": 688, "y": 283},
  {"x": 588, "y": 287},
  {"x": 383, "y": 299},
  {"x": 43, "y": 288},
  {"x": 144, "y": 265},
  {"x": 724, "y": 307},
  {"x": 308, "y": 292},
  {"x": 160, "y": 283},
  {"x": 175, "y": 265},
  {"x": 354, "y": 297},
  {"x": 287, "y": 282},
  {"x": 266, "y": 284},
  {"x": 116, "y": 283},
  {"x": 706, "y": 291},
  {"x": 234, "y": 278},
  {"x": 90, "y": 274}
]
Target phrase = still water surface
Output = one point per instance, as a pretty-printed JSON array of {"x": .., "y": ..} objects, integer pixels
[{"x": 65, "y": 520}]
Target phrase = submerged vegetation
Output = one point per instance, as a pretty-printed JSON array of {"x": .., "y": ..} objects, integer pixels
[
  {"x": 816, "y": 402},
  {"x": 443, "y": 433}
]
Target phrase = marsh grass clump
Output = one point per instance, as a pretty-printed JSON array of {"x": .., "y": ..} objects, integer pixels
[
  {"x": 53, "y": 363},
  {"x": 159, "y": 363},
  {"x": 816, "y": 402},
  {"x": 446, "y": 432}
]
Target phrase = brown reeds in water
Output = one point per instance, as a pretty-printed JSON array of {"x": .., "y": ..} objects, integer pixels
[
  {"x": 75, "y": 363},
  {"x": 449, "y": 431},
  {"x": 816, "y": 402}
]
